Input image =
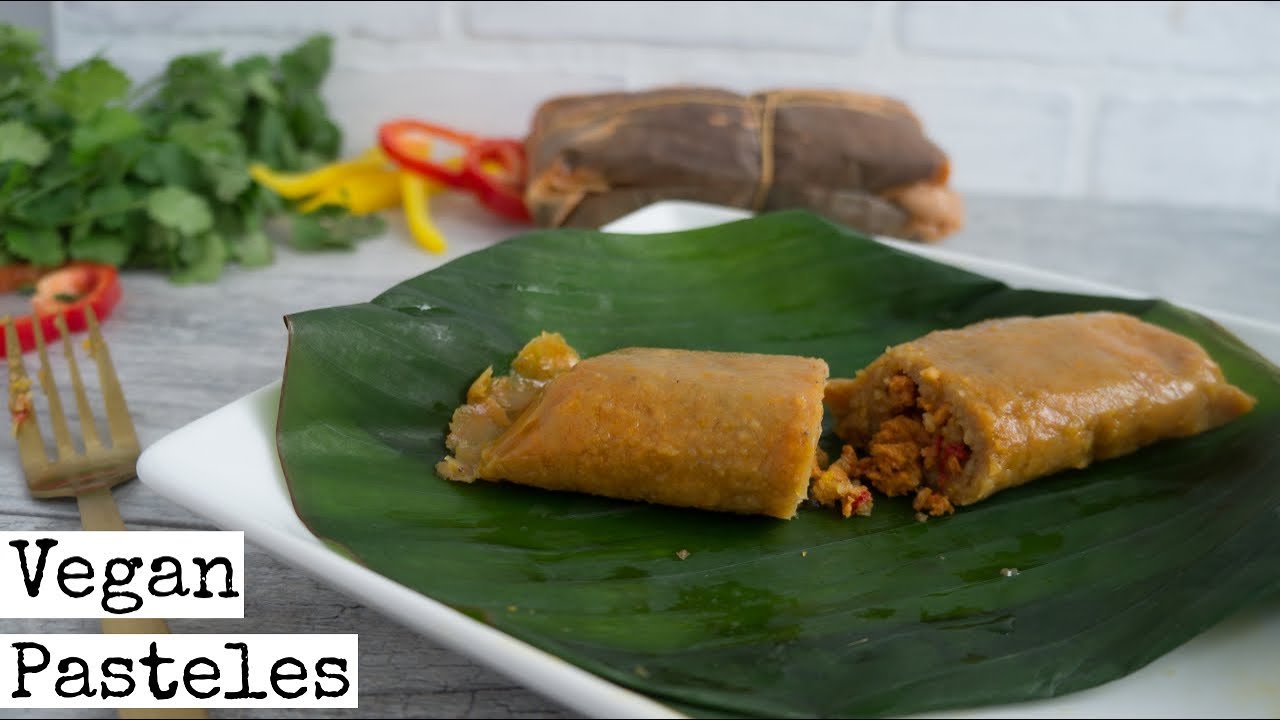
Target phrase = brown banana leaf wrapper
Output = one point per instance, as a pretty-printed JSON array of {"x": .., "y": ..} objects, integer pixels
[{"x": 862, "y": 160}]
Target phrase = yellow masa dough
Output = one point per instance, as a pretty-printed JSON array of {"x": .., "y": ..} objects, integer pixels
[
  {"x": 733, "y": 432},
  {"x": 1032, "y": 396}
]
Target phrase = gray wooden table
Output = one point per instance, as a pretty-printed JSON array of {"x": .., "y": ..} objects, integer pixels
[{"x": 182, "y": 352}]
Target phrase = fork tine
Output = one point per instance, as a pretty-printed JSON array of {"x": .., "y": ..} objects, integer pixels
[
  {"x": 87, "y": 426},
  {"x": 61, "y": 433},
  {"x": 30, "y": 442},
  {"x": 118, "y": 420}
]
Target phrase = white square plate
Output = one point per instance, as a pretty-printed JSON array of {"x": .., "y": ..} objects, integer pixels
[{"x": 224, "y": 466}]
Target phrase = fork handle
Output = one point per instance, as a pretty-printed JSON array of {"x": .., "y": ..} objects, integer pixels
[
  {"x": 134, "y": 626},
  {"x": 98, "y": 511}
]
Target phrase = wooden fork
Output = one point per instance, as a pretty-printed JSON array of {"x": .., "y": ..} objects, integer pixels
[{"x": 87, "y": 476}]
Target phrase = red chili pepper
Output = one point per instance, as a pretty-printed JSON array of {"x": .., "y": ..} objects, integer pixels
[
  {"x": 17, "y": 276},
  {"x": 67, "y": 290},
  {"x": 501, "y": 189},
  {"x": 503, "y": 193}
]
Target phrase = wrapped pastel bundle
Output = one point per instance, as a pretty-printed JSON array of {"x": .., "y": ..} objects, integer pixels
[
  {"x": 733, "y": 432},
  {"x": 959, "y": 415},
  {"x": 860, "y": 159}
]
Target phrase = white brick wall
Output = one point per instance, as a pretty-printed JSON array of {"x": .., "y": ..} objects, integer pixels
[
  {"x": 1165, "y": 102},
  {"x": 1194, "y": 36},
  {"x": 841, "y": 27},
  {"x": 1220, "y": 151},
  {"x": 371, "y": 19}
]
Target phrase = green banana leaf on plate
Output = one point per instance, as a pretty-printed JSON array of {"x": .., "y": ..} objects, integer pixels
[{"x": 714, "y": 614}]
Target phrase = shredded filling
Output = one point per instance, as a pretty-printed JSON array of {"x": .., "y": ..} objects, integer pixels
[
  {"x": 832, "y": 485},
  {"x": 920, "y": 449}
]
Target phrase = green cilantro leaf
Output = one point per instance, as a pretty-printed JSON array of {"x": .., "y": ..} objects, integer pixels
[
  {"x": 18, "y": 177},
  {"x": 180, "y": 209},
  {"x": 220, "y": 150},
  {"x": 203, "y": 257},
  {"x": 99, "y": 246},
  {"x": 258, "y": 74},
  {"x": 274, "y": 143},
  {"x": 200, "y": 84},
  {"x": 156, "y": 243},
  {"x": 108, "y": 205},
  {"x": 108, "y": 126},
  {"x": 19, "y": 142},
  {"x": 25, "y": 39},
  {"x": 88, "y": 87},
  {"x": 312, "y": 127},
  {"x": 259, "y": 202},
  {"x": 252, "y": 65},
  {"x": 253, "y": 249},
  {"x": 229, "y": 180},
  {"x": 165, "y": 163},
  {"x": 263, "y": 88},
  {"x": 40, "y": 246},
  {"x": 50, "y": 207},
  {"x": 21, "y": 73},
  {"x": 333, "y": 227},
  {"x": 305, "y": 66}
]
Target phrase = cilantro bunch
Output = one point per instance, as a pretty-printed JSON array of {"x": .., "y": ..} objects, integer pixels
[{"x": 156, "y": 176}]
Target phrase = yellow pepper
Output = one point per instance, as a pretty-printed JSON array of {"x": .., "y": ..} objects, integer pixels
[
  {"x": 296, "y": 185},
  {"x": 361, "y": 194},
  {"x": 364, "y": 185},
  {"x": 414, "y": 189}
]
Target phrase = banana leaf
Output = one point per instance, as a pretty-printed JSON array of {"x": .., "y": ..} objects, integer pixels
[{"x": 1117, "y": 564}]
